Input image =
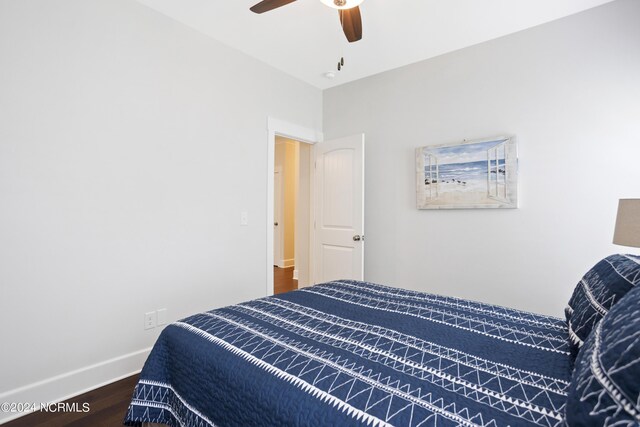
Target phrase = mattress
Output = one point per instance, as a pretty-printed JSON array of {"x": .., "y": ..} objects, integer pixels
[{"x": 355, "y": 353}]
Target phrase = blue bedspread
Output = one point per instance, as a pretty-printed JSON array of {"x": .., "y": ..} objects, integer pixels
[{"x": 353, "y": 353}]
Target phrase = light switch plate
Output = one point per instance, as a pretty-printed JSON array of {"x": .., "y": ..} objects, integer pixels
[{"x": 150, "y": 320}]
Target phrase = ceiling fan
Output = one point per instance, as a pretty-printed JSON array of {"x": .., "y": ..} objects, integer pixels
[{"x": 349, "y": 12}]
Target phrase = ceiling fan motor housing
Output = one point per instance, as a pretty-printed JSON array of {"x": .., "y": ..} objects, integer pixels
[{"x": 342, "y": 4}]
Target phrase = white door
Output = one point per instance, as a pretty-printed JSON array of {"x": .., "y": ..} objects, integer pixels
[
  {"x": 339, "y": 209},
  {"x": 277, "y": 218}
]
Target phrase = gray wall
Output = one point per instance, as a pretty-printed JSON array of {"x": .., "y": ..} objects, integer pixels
[
  {"x": 129, "y": 145},
  {"x": 570, "y": 91}
]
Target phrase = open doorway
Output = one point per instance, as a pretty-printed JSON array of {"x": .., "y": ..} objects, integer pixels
[
  {"x": 291, "y": 213},
  {"x": 335, "y": 194}
]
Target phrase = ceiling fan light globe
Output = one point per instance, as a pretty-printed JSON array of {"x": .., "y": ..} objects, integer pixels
[{"x": 342, "y": 4}]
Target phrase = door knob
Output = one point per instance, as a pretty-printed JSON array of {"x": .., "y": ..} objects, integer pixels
[
  {"x": 275, "y": 224},
  {"x": 356, "y": 238}
]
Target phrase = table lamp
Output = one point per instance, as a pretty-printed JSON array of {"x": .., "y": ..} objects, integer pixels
[{"x": 627, "y": 232}]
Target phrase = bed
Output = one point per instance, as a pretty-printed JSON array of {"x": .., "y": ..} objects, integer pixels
[{"x": 356, "y": 353}]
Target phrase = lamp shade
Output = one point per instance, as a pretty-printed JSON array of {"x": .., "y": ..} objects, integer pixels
[{"x": 627, "y": 232}]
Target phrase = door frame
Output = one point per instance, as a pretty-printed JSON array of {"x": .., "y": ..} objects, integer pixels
[
  {"x": 278, "y": 257},
  {"x": 285, "y": 129}
]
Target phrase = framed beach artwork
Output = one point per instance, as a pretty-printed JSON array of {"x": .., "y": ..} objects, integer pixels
[{"x": 482, "y": 173}]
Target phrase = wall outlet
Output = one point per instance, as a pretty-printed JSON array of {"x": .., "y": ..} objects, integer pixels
[
  {"x": 244, "y": 218},
  {"x": 162, "y": 316},
  {"x": 150, "y": 320}
]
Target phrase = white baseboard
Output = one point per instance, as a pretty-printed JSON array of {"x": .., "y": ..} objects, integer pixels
[
  {"x": 71, "y": 384},
  {"x": 295, "y": 274},
  {"x": 288, "y": 262}
]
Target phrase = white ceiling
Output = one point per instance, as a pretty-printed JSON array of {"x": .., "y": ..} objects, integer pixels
[{"x": 304, "y": 38}]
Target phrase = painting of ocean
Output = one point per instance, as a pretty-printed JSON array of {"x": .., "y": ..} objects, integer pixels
[{"x": 472, "y": 174}]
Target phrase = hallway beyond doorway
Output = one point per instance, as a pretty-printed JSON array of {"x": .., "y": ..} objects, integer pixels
[{"x": 283, "y": 280}]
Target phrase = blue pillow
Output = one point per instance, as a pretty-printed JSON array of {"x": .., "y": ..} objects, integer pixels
[
  {"x": 605, "y": 387},
  {"x": 604, "y": 285}
]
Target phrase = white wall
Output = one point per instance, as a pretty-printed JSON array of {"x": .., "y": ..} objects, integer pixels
[
  {"x": 570, "y": 91},
  {"x": 129, "y": 145}
]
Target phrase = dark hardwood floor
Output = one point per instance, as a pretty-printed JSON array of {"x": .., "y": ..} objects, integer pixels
[
  {"x": 283, "y": 280},
  {"x": 107, "y": 407}
]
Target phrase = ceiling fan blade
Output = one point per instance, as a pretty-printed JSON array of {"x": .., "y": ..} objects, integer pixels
[
  {"x": 267, "y": 5},
  {"x": 351, "y": 23}
]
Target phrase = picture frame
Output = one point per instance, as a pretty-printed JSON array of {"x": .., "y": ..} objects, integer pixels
[{"x": 475, "y": 174}]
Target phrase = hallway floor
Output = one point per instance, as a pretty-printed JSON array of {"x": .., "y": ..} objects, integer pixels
[{"x": 283, "y": 280}]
